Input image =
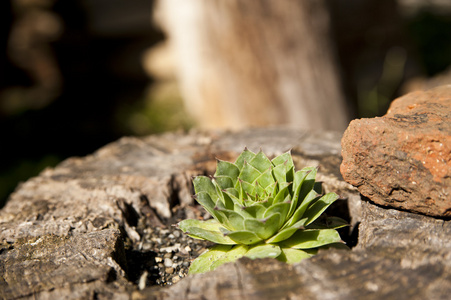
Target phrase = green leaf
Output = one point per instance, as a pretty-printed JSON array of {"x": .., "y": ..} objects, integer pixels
[
  {"x": 229, "y": 202},
  {"x": 263, "y": 251},
  {"x": 256, "y": 210},
  {"x": 272, "y": 189},
  {"x": 292, "y": 256},
  {"x": 234, "y": 219},
  {"x": 283, "y": 192},
  {"x": 265, "y": 179},
  {"x": 206, "y": 230},
  {"x": 281, "y": 208},
  {"x": 285, "y": 159},
  {"x": 249, "y": 173},
  {"x": 263, "y": 228},
  {"x": 280, "y": 173},
  {"x": 307, "y": 239},
  {"x": 204, "y": 184},
  {"x": 234, "y": 195},
  {"x": 231, "y": 255},
  {"x": 299, "y": 178},
  {"x": 204, "y": 199},
  {"x": 259, "y": 192},
  {"x": 223, "y": 182},
  {"x": 309, "y": 181},
  {"x": 244, "y": 237},
  {"x": 216, "y": 256},
  {"x": 228, "y": 169},
  {"x": 246, "y": 155},
  {"x": 299, "y": 213},
  {"x": 287, "y": 232},
  {"x": 316, "y": 209},
  {"x": 245, "y": 188},
  {"x": 261, "y": 162},
  {"x": 203, "y": 263}
]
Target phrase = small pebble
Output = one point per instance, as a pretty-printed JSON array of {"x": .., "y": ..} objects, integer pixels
[
  {"x": 169, "y": 270},
  {"x": 168, "y": 262},
  {"x": 158, "y": 259},
  {"x": 185, "y": 264}
]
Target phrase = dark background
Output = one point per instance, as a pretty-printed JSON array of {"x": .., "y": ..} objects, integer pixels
[{"x": 381, "y": 48}]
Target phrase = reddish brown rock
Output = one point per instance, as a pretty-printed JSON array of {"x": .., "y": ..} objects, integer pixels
[{"x": 403, "y": 159}]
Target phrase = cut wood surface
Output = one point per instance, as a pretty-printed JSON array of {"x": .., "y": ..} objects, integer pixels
[{"x": 64, "y": 233}]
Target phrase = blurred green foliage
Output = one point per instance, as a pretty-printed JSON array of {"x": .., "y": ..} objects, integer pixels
[{"x": 161, "y": 109}]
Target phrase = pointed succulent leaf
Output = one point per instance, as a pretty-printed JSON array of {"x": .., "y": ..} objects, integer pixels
[
  {"x": 204, "y": 199},
  {"x": 290, "y": 174},
  {"x": 317, "y": 208},
  {"x": 309, "y": 181},
  {"x": 234, "y": 195},
  {"x": 281, "y": 208},
  {"x": 282, "y": 235},
  {"x": 249, "y": 173},
  {"x": 208, "y": 224},
  {"x": 225, "y": 168},
  {"x": 263, "y": 228},
  {"x": 246, "y": 155},
  {"x": 292, "y": 256},
  {"x": 299, "y": 178},
  {"x": 235, "y": 220},
  {"x": 232, "y": 192},
  {"x": 283, "y": 159},
  {"x": 255, "y": 210},
  {"x": 299, "y": 213},
  {"x": 206, "y": 230},
  {"x": 231, "y": 255},
  {"x": 287, "y": 232},
  {"x": 260, "y": 162},
  {"x": 229, "y": 203},
  {"x": 263, "y": 251},
  {"x": 223, "y": 182},
  {"x": 272, "y": 189},
  {"x": 203, "y": 263},
  {"x": 245, "y": 188},
  {"x": 216, "y": 256},
  {"x": 259, "y": 192},
  {"x": 307, "y": 239},
  {"x": 244, "y": 237},
  {"x": 280, "y": 173},
  {"x": 265, "y": 179},
  {"x": 283, "y": 192},
  {"x": 204, "y": 184}
]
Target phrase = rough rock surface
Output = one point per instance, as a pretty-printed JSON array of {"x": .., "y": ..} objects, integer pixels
[
  {"x": 78, "y": 231},
  {"x": 403, "y": 159}
]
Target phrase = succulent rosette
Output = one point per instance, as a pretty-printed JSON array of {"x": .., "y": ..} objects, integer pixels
[{"x": 261, "y": 208}]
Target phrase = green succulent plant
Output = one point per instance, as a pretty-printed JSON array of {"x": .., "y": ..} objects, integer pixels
[{"x": 261, "y": 208}]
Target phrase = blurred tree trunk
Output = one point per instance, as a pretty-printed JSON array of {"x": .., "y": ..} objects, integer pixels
[{"x": 253, "y": 63}]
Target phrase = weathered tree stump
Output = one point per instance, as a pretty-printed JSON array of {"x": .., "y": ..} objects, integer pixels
[{"x": 67, "y": 233}]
